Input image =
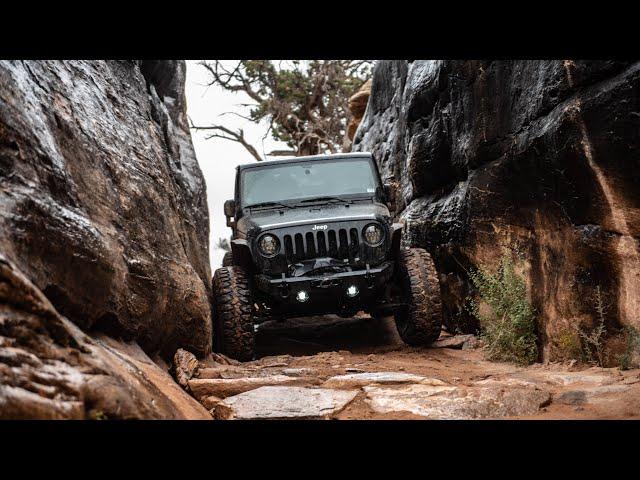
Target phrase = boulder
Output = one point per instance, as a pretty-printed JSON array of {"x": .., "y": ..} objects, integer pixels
[
  {"x": 356, "y": 380},
  {"x": 50, "y": 369},
  {"x": 210, "y": 402},
  {"x": 226, "y": 387},
  {"x": 456, "y": 341},
  {"x": 185, "y": 365},
  {"x": 448, "y": 402},
  {"x": 275, "y": 402},
  {"x": 591, "y": 377}
]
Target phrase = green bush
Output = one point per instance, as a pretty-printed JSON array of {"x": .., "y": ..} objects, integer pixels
[
  {"x": 632, "y": 348},
  {"x": 509, "y": 331},
  {"x": 568, "y": 344}
]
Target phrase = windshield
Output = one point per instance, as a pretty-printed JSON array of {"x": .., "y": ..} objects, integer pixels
[{"x": 304, "y": 180}]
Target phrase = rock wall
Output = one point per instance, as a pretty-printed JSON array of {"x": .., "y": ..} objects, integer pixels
[
  {"x": 104, "y": 227},
  {"x": 539, "y": 159},
  {"x": 102, "y": 202},
  {"x": 51, "y": 370}
]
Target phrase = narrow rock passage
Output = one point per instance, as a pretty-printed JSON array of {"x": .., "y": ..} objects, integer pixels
[{"x": 358, "y": 368}]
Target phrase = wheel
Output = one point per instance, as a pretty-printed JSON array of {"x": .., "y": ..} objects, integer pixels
[
  {"x": 234, "y": 333},
  {"x": 420, "y": 321},
  {"x": 227, "y": 260}
]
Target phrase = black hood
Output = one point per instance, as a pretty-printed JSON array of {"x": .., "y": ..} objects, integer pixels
[{"x": 273, "y": 218}]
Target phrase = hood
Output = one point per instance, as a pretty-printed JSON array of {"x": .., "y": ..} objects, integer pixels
[{"x": 270, "y": 219}]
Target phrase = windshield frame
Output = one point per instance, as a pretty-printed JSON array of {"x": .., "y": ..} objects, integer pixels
[{"x": 377, "y": 195}]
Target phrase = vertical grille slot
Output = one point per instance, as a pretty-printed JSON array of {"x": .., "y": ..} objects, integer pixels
[
  {"x": 322, "y": 245},
  {"x": 311, "y": 245},
  {"x": 288, "y": 246},
  {"x": 333, "y": 244},
  {"x": 343, "y": 248},
  {"x": 354, "y": 244},
  {"x": 299, "y": 247}
]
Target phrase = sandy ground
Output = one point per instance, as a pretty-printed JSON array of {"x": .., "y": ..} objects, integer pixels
[{"x": 324, "y": 347}]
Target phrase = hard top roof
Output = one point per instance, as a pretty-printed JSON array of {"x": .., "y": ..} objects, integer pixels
[{"x": 309, "y": 158}]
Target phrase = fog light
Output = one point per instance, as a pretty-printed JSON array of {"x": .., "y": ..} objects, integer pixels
[
  {"x": 302, "y": 296},
  {"x": 352, "y": 291}
]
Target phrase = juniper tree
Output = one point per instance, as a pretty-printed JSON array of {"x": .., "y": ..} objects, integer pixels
[{"x": 305, "y": 102}]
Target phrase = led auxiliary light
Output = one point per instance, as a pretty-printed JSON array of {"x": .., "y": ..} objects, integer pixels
[
  {"x": 352, "y": 291},
  {"x": 302, "y": 296}
]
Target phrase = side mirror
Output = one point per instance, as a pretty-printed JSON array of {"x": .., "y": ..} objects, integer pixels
[
  {"x": 390, "y": 195},
  {"x": 229, "y": 208},
  {"x": 230, "y": 211}
]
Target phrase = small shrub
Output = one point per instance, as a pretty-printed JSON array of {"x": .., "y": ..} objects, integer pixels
[
  {"x": 592, "y": 340},
  {"x": 510, "y": 330},
  {"x": 568, "y": 344},
  {"x": 97, "y": 415},
  {"x": 632, "y": 348}
]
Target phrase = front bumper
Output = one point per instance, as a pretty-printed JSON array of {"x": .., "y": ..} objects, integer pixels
[{"x": 327, "y": 293}]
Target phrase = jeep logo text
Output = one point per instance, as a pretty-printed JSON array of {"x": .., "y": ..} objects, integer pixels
[{"x": 319, "y": 227}]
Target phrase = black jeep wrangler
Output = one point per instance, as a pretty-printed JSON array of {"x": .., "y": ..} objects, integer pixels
[{"x": 312, "y": 236}]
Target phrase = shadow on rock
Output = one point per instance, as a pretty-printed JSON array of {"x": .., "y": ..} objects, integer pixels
[{"x": 310, "y": 335}]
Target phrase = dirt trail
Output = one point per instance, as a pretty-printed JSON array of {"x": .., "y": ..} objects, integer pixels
[{"x": 328, "y": 367}]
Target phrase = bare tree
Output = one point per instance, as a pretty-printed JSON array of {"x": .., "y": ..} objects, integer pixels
[{"x": 305, "y": 102}]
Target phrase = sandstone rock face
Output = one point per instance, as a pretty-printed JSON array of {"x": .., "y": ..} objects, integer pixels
[
  {"x": 456, "y": 341},
  {"x": 356, "y": 380},
  {"x": 540, "y": 159},
  {"x": 50, "y": 369},
  {"x": 445, "y": 402},
  {"x": 357, "y": 106},
  {"x": 102, "y": 202},
  {"x": 103, "y": 229},
  {"x": 226, "y": 387},
  {"x": 185, "y": 365}
]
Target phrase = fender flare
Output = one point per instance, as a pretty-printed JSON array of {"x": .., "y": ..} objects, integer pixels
[
  {"x": 396, "y": 238},
  {"x": 241, "y": 253}
]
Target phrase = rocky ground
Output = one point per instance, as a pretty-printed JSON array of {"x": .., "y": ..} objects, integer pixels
[{"x": 332, "y": 368}]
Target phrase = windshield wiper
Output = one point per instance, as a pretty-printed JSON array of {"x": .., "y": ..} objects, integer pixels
[
  {"x": 268, "y": 204},
  {"x": 325, "y": 199}
]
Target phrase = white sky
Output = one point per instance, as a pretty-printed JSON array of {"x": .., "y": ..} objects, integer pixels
[{"x": 218, "y": 158}]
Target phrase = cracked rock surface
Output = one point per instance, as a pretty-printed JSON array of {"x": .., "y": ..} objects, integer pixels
[
  {"x": 389, "y": 380},
  {"x": 50, "y": 369}
]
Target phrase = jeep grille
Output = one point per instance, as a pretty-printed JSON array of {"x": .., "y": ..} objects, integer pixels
[
  {"x": 341, "y": 244},
  {"x": 341, "y": 240}
]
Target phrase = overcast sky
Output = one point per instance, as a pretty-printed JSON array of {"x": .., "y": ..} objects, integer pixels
[{"x": 218, "y": 158}]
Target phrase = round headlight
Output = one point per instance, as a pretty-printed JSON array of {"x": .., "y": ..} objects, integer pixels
[
  {"x": 269, "y": 245},
  {"x": 372, "y": 235}
]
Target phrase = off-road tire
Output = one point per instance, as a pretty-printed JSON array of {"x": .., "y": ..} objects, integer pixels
[
  {"x": 420, "y": 322},
  {"x": 227, "y": 260},
  {"x": 234, "y": 333}
]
